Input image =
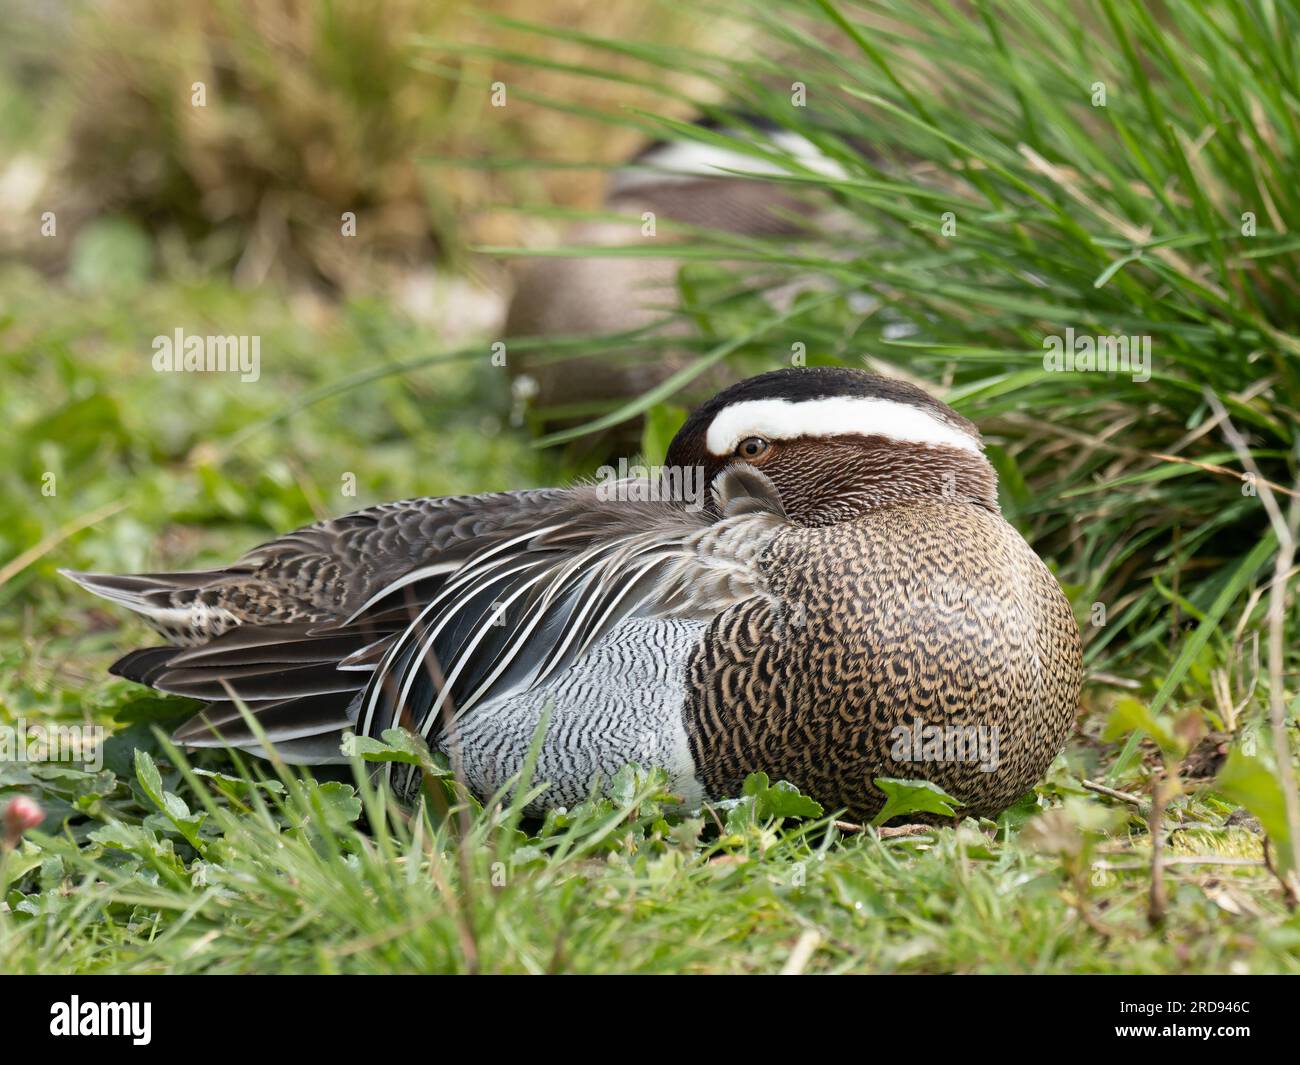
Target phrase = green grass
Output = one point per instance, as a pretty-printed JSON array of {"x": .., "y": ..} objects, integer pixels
[
  {"x": 1117, "y": 219},
  {"x": 171, "y": 871},
  {"x": 301, "y": 882}
]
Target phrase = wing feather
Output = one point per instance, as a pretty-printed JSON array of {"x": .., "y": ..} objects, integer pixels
[
  {"x": 414, "y": 613},
  {"x": 561, "y": 591}
]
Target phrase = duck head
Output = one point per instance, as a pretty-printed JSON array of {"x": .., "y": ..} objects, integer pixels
[{"x": 836, "y": 442}]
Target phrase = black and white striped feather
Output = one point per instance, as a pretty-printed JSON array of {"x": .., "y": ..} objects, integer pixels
[{"x": 519, "y": 613}]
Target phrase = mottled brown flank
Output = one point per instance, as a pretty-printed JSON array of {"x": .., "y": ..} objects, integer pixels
[{"x": 922, "y": 611}]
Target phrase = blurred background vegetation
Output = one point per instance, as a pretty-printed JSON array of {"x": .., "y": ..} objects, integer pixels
[
  {"x": 225, "y": 218},
  {"x": 1162, "y": 211}
]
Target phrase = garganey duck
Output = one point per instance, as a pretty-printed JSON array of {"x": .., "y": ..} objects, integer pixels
[{"x": 818, "y": 584}]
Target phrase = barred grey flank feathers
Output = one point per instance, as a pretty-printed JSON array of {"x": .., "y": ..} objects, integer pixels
[
  {"x": 621, "y": 703},
  {"x": 850, "y": 574}
]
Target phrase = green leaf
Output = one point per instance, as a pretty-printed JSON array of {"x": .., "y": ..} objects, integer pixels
[
  {"x": 146, "y": 772},
  {"x": 238, "y": 785},
  {"x": 1251, "y": 783},
  {"x": 171, "y": 806},
  {"x": 339, "y": 801},
  {"x": 906, "y": 797},
  {"x": 1014, "y": 816},
  {"x": 397, "y": 745},
  {"x": 17, "y": 864},
  {"x": 111, "y": 255},
  {"x": 1132, "y": 716},
  {"x": 781, "y": 799}
]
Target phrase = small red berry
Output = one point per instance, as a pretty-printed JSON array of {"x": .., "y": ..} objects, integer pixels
[{"x": 21, "y": 814}]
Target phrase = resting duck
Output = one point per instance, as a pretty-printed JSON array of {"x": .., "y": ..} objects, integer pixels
[{"x": 841, "y": 586}]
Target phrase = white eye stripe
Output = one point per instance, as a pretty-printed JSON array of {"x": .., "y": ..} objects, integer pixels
[{"x": 782, "y": 419}]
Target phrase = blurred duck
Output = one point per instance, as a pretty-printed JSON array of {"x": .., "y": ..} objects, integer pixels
[{"x": 685, "y": 182}]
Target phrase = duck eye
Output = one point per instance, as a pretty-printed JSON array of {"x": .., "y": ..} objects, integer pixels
[{"x": 752, "y": 447}]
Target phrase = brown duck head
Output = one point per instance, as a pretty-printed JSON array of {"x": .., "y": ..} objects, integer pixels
[{"x": 836, "y": 442}]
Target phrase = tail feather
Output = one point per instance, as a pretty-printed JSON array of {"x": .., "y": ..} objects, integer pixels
[
  {"x": 167, "y": 601},
  {"x": 286, "y": 675},
  {"x": 139, "y": 591},
  {"x": 223, "y": 724},
  {"x": 248, "y": 646},
  {"x": 145, "y": 665},
  {"x": 251, "y": 643},
  {"x": 261, "y": 683}
]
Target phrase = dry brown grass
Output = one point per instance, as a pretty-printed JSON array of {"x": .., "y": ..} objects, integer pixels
[{"x": 316, "y": 109}]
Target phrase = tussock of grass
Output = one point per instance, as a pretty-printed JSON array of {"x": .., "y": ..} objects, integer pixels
[
  {"x": 308, "y": 111},
  {"x": 1124, "y": 219}
]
